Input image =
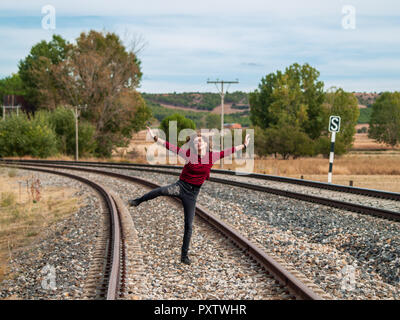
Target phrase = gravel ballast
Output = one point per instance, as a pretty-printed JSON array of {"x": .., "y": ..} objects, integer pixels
[
  {"x": 386, "y": 204},
  {"x": 61, "y": 253},
  {"x": 218, "y": 271},
  {"x": 349, "y": 255}
]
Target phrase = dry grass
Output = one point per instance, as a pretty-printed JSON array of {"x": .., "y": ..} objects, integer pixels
[
  {"x": 383, "y": 166},
  {"x": 362, "y": 142},
  {"x": 378, "y": 182},
  {"x": 367, "y": 170},
  {"x": 22, "y": 219},
  {"x": 352, "y": 164},
  {"x": 375, "y": 171}
]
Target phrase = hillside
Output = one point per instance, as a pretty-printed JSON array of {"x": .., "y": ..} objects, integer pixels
[
  {"x": 197, "y": 105},
  {"x": 200, "y": 118},
  {"x": 366, "y": 99},
  {"x": 196, "y": 101}
]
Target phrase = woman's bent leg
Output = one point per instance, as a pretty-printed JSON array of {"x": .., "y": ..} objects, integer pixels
[{"x": 169, "y": 190}]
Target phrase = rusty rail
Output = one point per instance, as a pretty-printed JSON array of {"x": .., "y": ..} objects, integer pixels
[
  {"x": 382, "y": 213},
  {"x": 283, "y": 276},
  {"x": 309, "y": 183},
  {"x": 112, "y": 276}
]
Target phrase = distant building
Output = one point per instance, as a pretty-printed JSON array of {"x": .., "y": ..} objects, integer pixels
[
  {"x": 15, "y": 100},
  {"x": 232, "y": 126}
]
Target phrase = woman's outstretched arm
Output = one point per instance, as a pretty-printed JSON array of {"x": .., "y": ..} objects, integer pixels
[
  {"x": 244, "y": 145},
  {"x": 166, "y": 144},
  {"x": 229, "y": 151}
]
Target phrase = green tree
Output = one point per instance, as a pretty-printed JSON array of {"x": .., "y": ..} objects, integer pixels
[
  {"x": 261, "y": 99},
  {"x": 288, "y": 106},
  {"x": 213, "y": 121},
  {"x": 113, "y": 104},
  {"x": 293, "y": 110},
  {"x": 97, "y": 72},
  {"x": 295, "y": 96},
  {"x": 182, "y": 123},
  {"x": 36, "y": 72},
  {"x": 11, "y": 85},
  {"x": 311, "y": 98},
  {"x": 262, "y": 146},
  {"x": 343, "y": 104},
  {"x": 287, "y": 141},
  {"x": 385, "y": 119}
]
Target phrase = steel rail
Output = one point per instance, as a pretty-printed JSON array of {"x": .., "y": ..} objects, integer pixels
[
  {"x": 294, "y": 285},
  {"x": 112, "y": 276},
  {"x": 382, "y": 213},
  {"x": 309, "y": 183}
]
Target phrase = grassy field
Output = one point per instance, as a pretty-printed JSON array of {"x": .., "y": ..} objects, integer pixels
[{"x": 25, "y": 211}]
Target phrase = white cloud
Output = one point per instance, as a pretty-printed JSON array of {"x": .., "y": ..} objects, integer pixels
[
  {"x": 282, "y": 8},
  {"x": 189, "y": 41},
  {"x": 368, "y": 85}
]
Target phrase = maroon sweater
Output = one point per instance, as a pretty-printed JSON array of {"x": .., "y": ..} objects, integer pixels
[{"x": 197, "y": 168}]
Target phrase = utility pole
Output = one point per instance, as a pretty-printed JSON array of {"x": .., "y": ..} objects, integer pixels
[
  {"x": 76, "y": 113},
  {"x": 222, "y": 94},
  {"x": 76, "y": 134}
]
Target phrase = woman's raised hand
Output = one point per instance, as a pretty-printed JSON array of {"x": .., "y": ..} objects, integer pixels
[
  {"x": 247, "y": 140},
  {"x": 152, "y": 135}
]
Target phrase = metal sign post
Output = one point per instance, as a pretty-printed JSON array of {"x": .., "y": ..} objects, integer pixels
[{"x": 334, "y": 126}]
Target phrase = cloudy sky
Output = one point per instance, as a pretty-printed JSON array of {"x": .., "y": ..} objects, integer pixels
[{"x": 189, "y": 41}]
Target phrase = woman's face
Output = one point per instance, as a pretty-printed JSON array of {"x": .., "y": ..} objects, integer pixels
[{"x": 199, "y": 143}]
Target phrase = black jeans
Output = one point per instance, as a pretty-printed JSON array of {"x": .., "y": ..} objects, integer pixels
[{"x": 188, "y": 194}]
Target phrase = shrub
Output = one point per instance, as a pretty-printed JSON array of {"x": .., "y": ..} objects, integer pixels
[
  {"x": 182, "y": 123},
  {"x": 7, "y": 199},
  {"x": 20, "y": 136},
  {"x": 12, "y": 173},
  {"x": 284, "y": 140},
  {"x": 62, "y": 121}
]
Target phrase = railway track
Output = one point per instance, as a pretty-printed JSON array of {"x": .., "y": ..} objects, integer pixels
[
  {"x": 314, "y": 184},
  {"x": 108, "y": 276},
  {"x": 340, "y": 204},
  {"x": 296, "y": 284}
]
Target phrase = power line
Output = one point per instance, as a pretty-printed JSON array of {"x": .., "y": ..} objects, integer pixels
[{"x": 222, "y": 94}]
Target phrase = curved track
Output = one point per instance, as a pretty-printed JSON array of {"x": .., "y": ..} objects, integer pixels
[
  {"x": 111, "y": 284},
  {"x": 291, "y": 281},
  {"x": 315, "y": 184},
  {"x": 354, "y": 207}
]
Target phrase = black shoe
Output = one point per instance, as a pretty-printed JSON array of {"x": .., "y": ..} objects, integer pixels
[
  {"x": 133, "y": 203},
  {"x": 185, "y": 260}
]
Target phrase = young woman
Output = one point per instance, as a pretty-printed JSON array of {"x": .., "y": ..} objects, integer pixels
[{"x": 198, "y": 162}]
